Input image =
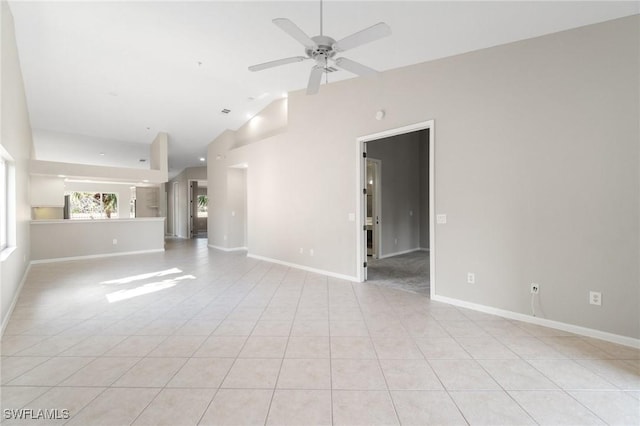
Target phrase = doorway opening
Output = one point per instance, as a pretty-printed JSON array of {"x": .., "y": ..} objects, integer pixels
[
  {"x": 175, "y": 210},
  {"x": 397, "y": 220},
  {"x": 374, "y": 200},
  {"x": 198, "y": 208}
]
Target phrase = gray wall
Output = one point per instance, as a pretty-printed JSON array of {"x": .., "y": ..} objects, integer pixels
[
  {"x": 237, "y": 207},
  {"x": 536, "y": 166},
  {"x": 16, "y": 140},
  {"x": 400, "y": 187}
]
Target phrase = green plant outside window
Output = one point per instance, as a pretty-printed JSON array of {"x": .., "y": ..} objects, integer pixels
[{"x": 93, "y": 205}]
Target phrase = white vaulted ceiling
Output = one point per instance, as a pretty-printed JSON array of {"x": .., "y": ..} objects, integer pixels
[{"x": 123, "y": 71}]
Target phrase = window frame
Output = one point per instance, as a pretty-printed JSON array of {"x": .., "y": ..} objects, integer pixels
[
  {"x": 4, "y": 204},
  {"x": 7, "y": 204}
]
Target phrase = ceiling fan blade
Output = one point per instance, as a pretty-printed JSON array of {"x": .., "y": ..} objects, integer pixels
[
  {"x": 277, "y": 63},
  {"x": 314, "y": 80},
  {"x": 354, "y": 67},
  {"x": 367, "y": 35},
  {"x": 292, "y": 29}
]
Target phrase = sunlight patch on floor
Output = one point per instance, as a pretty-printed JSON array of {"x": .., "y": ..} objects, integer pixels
[
  {"x": 146, "y": 289},
  {"x": 141, "y": 277}
]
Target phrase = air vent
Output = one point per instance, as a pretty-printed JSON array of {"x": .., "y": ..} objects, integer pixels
[
  {"x": 143, "y": 160},
  {"x": 225, "y": 111},
  {"x": 331, "y": 69}
]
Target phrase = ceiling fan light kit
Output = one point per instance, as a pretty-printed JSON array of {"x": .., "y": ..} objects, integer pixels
[{"x": 323, "y": 49}]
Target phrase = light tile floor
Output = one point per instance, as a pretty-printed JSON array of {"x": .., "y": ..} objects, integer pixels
[{"x": 197, "y": 336}]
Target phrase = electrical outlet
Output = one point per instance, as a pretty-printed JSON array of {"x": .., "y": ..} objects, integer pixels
[
  {"x": 595, "y": 298},
  {"x": 535, "y": 288},
  {"x": 471, "y": 278},
  {"x": 115, "y": 241}
]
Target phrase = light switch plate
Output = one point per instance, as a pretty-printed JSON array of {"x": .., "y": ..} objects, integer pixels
[{"x": 441, "y": 218}]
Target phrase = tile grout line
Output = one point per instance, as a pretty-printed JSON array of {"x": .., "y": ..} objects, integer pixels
[
  {"x": 436, "y": 374},
  {"x": 563, "y": 390},
  {"x": 204, "y": 412},
  {"x": 284, "y": 354},
  {"x": 330, "y": 351},
  {"x": 489, "y": 374},
  {"x": 140, "y": 360},
  {"x": 235, "y": 291},
  {"x": 393, "y": 404}
]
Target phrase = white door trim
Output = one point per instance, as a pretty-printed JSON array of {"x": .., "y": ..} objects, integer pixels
[{"x": 361, "y": 252}]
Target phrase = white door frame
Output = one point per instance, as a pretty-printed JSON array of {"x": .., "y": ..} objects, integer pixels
[{"x": 361, "y": 204}]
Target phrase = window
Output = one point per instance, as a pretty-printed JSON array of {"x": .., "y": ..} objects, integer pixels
[
  {"x": 93, "y": 205},
  {"x": 7, "y": 204},
  {"x": 4, "y": 204},
  {"x": 203, "y": 205},
  {"x": 132, "y": 202}
]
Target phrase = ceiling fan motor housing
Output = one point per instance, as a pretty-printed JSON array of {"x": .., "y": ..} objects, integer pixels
[{"x": 323, "y": 50}]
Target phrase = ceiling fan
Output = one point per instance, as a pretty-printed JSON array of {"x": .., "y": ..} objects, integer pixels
[{"x": 323, "y": 49}]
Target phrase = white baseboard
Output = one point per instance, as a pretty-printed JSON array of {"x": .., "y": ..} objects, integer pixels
[
  {"x": 95, "y": 256},
  {"x": 576, "y": 329},
  {"x": 305, "y": 268},
  {"x": 7, "y": 316},
  {"x": 227, "y": 249},
  {"x": 398, "y": 253}
]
